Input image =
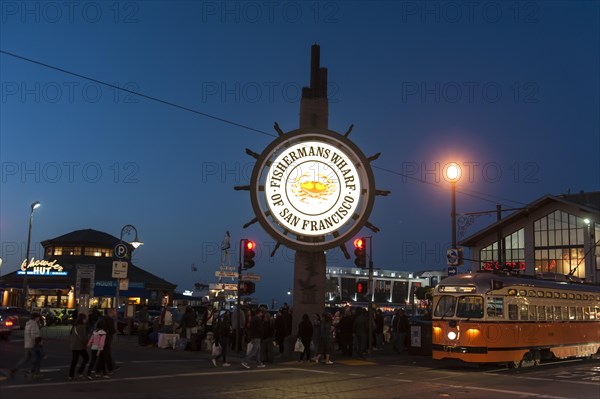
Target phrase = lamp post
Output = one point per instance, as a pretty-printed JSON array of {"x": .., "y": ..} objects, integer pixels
[
  {"x": 136, "y": 243},
  {"x": 453, "y": 175},
  {"x": 35, "y": 205}
]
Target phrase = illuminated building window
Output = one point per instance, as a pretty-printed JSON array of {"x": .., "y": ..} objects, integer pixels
[
  {"x": 72, "y": 251},
  {"x": 105, "y": 252},
  {"x": 559, "y": 241}
]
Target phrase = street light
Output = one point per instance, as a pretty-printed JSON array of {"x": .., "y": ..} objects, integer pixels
[
  {"x": 453, "y": 175},
  {"x": 35, "y": 205},
  {"x": 136, "y": 243}
]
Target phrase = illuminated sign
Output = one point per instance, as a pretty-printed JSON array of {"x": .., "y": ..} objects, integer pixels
[
  {"x": 312, "y": 189},
  {"x": 450, "y": 288},
  {"x": 41, "y": 268},
  {"x": 507, "y": 266}
]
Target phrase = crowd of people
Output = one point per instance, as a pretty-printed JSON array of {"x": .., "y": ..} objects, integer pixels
[
  {"x": 94, "y": 334},
  {"x": 251, "y": 331}
]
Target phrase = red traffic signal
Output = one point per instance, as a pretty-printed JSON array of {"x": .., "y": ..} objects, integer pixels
[
  {"x": 249, "y": 254},
  {"x": 361, "y": 288},
  {"x": 247, "y": 288},
  {"x": 360, "y": 252}
]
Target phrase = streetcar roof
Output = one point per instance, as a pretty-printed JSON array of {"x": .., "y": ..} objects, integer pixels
[{"x": 484, "y": 281}]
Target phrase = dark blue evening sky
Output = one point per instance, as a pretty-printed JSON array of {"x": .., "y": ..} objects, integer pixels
[{"x": 510, "y": 88}]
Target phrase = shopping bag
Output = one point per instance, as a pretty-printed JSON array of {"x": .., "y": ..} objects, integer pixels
[
  {"x": 299, "y": 347},
  {"x": 216, "y": 350}
]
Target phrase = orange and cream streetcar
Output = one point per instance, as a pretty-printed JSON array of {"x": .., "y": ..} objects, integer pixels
[{"x": 516, "y": 320}]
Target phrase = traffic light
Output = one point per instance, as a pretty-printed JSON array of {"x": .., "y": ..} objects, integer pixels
[
  {"x": 360, "y": 251},
  {"x": 361, "y": 287},
  {"x": 247, "y": 288},
  {"x": 249, "y": 254}
]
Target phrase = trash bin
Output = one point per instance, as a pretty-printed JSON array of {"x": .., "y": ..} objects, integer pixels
[{"x": 420, "y": 338}]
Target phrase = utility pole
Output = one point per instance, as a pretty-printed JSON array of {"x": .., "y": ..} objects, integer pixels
[{"x": 371, "y": 291}]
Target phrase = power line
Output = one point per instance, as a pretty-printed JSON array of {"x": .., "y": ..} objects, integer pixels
[
  {"x": 156, "y": 99},
  {"x": 477, "y": 195}
]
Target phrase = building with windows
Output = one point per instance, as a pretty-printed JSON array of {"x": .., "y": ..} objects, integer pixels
[
  {"x": 78, "y": 268},
  {"x": 554, "y": 234},
  {"x": 392, "y": 288}
]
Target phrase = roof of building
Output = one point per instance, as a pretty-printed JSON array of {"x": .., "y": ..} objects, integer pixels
[
  {"x": 587, "y": 202},
  {"x": 86, "y": 236},
  {"x": 103, "y": 269}
]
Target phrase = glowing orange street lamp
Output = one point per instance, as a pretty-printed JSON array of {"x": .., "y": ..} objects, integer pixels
[{"x": 452, "y": 174}]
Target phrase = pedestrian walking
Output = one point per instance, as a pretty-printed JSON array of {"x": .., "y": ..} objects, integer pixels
[
  {"x": 401, "y": 327},
  {"x": 316, "y": 336},
  {"x": 266, "y": 342},
  {"x": 110, "y": 326},
  {"x": 326, "y": 340},
  {"x": 361, "y": 332},
  {"x": 78, "y": 342},
  {"x": 223, "y": 331},
  {"x": 31, "y": 332},
  {"x": 305, "y": 333},
  {"x": 96, "y": 345},
  {"x": 256, "y": 333},
  {"x": 37, "y": 353}
]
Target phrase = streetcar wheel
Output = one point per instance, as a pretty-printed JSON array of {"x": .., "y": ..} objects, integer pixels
[
  {"x": 537, "y": 357},
  {"x": 514, "y": 364}
]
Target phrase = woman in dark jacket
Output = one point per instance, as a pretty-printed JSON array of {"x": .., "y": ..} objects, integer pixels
[
  {"x": 305, "y": 332},
  {"x": 78, "y": 342},
  {"x": 222, "y": 332}
]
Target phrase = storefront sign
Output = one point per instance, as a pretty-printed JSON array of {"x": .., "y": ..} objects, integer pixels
[{"x": 41, "y": 268}]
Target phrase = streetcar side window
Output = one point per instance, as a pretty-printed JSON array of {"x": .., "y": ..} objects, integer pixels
[
  {"x": 495, "y": 307},
  {"x": 470, "y": 306},
  {"x": 557, "y": 313},
  {"x": 579, "y": 313},
  {"x": 532, "y": 312},
  {"x": 572, "y": 312},
  {"x": 445, "y": 306},
  {"x": 549, "y": 313},
  {"x": 513, "y": 312},
  {"x": 524, "y": 312},
  {"x": 541, "y": 312}
]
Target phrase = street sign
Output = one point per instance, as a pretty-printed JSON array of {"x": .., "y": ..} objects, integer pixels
[
  {"x": 121, "y": 250},
  {"x": 119, "y": 269},
  {"x": 250, "y": 277},
  {"x": 219, "y": 286},
  {"x": 452, "y": 270},
  {"x": 226, "y": 274},
  {"x": 454, "y": 257}
]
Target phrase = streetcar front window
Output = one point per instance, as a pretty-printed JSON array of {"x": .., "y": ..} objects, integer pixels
[
  {"x": 445, "y": 306},
  {"x": 470, "y": 307}
]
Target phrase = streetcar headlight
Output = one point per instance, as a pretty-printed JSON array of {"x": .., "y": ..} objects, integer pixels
[{"x": 451, "y": 335}]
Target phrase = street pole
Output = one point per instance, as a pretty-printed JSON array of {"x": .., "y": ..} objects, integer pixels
[
  {"x": 371, "y": 291},
  {"x": 25, "y": 282},
  {"x": 238, "y": 346},
  {"x": 453, "y": 185}
]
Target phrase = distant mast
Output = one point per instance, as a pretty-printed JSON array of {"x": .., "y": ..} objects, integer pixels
[{"x": 314, "y": 106}]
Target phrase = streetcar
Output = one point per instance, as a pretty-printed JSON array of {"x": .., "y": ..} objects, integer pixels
[{"x": 518, "y": 321}]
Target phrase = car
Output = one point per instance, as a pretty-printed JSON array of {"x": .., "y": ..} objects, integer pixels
[
  {"x": 21, "y": 315},
  {"x": 8, "y": 323}
]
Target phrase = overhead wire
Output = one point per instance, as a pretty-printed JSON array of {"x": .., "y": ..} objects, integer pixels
[{"x": 476, "y": 195}]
